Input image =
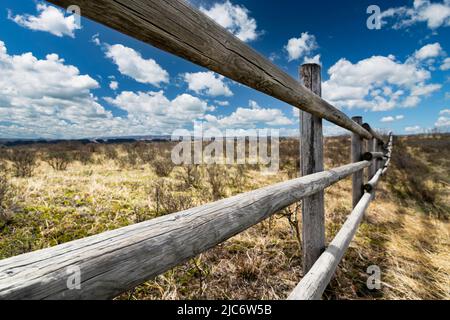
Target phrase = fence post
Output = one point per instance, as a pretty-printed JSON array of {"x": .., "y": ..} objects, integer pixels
[
  {"x": 311, "y": 161},
  {"x": 356, "y": 152},
  {"x": 373, "y": 167}
]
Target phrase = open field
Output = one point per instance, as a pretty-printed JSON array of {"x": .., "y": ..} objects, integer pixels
[{"x": 71, "y": 191}]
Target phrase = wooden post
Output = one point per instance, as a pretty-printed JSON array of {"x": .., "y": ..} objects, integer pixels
[
  {"x": 311, "y": 159},
  {"x": 373, "y": 167},
  {"x": 356, "y": 153}
]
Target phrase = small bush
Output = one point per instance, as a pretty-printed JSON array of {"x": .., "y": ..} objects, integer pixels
[
  {"x": 110, "y": 152},
  {"x": 163, "y": 167},
  {"x": 168, "y": 201},
  {"x": 191, "y": 176},
  {"x": 58, "y": 159},
  {"x": 145, "y": 152},
  {"x": 84, "y": 155},
  {"x": 5, "y": 195},
  {"x": 24, "y": 162},
  {"x": 217, "y": 178}
]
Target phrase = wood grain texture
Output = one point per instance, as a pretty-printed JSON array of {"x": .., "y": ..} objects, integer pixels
[
  {"x": 314, "y": 283},
  {"x": 356, "y": 153},
  {"x": 373, "y": 168},
  {"x": 118, "y": 260},
  {"x": 176, "y": 27},
  {"x": 311, "y": 161}
]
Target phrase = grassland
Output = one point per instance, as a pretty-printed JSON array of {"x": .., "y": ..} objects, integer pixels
[{"x": 72, "y": 191}]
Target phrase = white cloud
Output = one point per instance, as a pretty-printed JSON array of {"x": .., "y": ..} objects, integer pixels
[
  {"x": 208, "y": 83},
  {"x": 413, "y": 129},
  {"x": 315, "y": 59},
  {"x": 444, "y": 119},
  {"x": 377, "y": 83},
  {"x": 95, "y": 39},
  {"x": 434, "y": 14},
  {"x": 234, "y": 18},
  {"x": 222, "y": 103},
  {"x": 392, "y": 118},
  {"x": 249, "y": 118},
  {"x": 445, "y": 65},
  {"x": 443, "y": 122},
  {"x": 50, "y": 19},
  {"x": 429, "y": 51},
  {"x": 49, "y": 99},
  {"x": 45, "y": 96},
  {"x": 131, "y": 63},
  {"x": 114, "y": 85},
  {"x": 157, "y": 108},
  {"x": 387, "y": 119},
  {"x": 300, "y": 47}
]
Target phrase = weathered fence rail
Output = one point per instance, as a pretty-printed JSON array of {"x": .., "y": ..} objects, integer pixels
[{"x": 114, "y": 261}]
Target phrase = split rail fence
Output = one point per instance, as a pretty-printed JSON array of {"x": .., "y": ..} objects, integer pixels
[{"x": 118, "y": 260}]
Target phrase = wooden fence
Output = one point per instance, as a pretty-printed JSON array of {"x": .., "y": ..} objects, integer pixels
[{"x": 115, "y": 261}]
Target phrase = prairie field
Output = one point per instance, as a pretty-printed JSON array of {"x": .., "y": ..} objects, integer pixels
[{"x": 55, "y": 193}]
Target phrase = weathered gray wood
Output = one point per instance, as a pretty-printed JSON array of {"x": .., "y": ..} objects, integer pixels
[
  {"x": 356, "y": 153},
  {"x": 373, "y": 168},
  {"x": 176, "y": 27},
  {"x": 375, "y": 134},
  {"x": 314, "y": 283},
  {"x": 372, "y": 183},
  {"x": 114, "y": 261},
  {"x": 369, "y": 156},
  {"x": 311, "y": 161}
]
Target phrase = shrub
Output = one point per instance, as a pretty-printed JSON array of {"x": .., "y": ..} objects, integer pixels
[
  {"x": 145, "y": 151},
  {"x": 191, "y": 176},
  {"x": 5, "y": 195},
  {"x": 24, "y": 162},
  {"x": 163, "y": 167},
  {"x": 217, "y": 178},
  {"x": 58, "y": 159},
  {"x": 168, "y": 201},
  {"x": 84, "y": 155},
  {"x": 110, "y": 152}
]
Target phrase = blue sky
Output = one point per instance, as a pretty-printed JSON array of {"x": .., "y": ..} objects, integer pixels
[{"x": 58, "y": 80}]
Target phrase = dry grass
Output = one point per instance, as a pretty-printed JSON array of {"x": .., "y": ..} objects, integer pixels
[{"x": 405, "y": 233}]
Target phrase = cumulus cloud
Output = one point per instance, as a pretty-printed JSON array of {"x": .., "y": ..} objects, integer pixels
[
  {"x": 222, "y": 103},
  {"x": 392, "y": 118},
  {"x": 413, "y": 129},
  {"x": 301, "y": 47},
  {"x": 249, "y": 117},
  {"x": 234, "y": 18},
  {"x": 429, "y": 51},
  {"x": 114, "y": 85},
  {"x": 444, "y": 120},
  {"x": 315, "y": 59},
  {"x": 434, "y": 14},
  {"x": 132, "y": 64},
  {"x": 445, "y": 65},
  {"x": 43, "y": 95},
  {"x": 158, "y": 109},
  {"x": 50, "y": 99},
  {"x": 377, "y": 83},
  {"x": 208, "y": 83},
  {"x": 49, "y": 19}
]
